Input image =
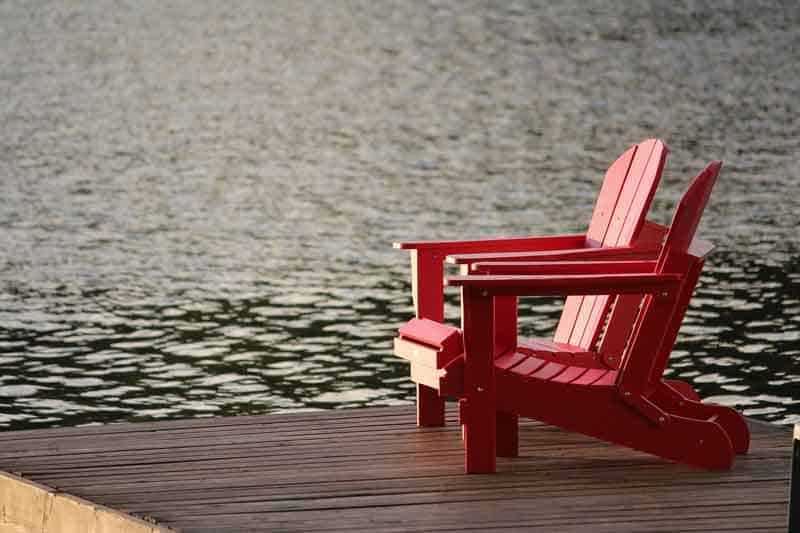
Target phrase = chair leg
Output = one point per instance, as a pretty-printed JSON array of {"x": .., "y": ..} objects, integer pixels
[
  {"x": 430, "y": 407},
  {"x": 731, "y": 421},
  {"x": 684, "y": 388},
  {"x": 479, "y": 411},
  {"x": 480, "y": 444},
  {"x": 505, "y": 338},
  {"x": 507, "y": 434}
]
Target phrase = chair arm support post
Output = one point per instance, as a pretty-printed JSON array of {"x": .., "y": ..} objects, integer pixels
[
  {"x": 642, "y": 357},
  {"x": 427, "y": 283},
  {"x": 427, "y": 290},
  {"x": 479, "y": 404}
]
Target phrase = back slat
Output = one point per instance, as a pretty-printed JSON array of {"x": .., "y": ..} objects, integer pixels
[
  {"x": 634, "y": 219},
  {"x": 618, "y": 218},
  {"x": 627, "y": 208},
  {"x": 606, "y": 205}
]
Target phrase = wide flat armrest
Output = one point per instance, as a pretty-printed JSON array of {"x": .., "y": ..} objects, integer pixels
[
  {"x": 647, "y": 251},
  {"x": 539, "y": 268},
  {"x": 570, "y": 285},
  {"x": 508, "y": 244}
]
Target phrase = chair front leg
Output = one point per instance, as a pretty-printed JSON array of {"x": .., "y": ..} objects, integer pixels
[
  {"x": 427, "y": 274},
  {"x": 479, "y": 406},
  {"x": 505, "y": 339}
]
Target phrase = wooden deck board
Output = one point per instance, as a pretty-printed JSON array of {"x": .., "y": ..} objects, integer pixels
[{"x": 372, "y": 469}]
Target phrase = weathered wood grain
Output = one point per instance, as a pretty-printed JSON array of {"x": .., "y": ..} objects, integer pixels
[{"x": 373, "y": 469}]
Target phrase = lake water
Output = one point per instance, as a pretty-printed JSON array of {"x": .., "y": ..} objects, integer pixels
[{"x": 197, "y": 198}]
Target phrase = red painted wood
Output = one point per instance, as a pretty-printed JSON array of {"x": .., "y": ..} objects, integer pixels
[
  {"x": 637, "y": 251},
  {"x": 668, "y": 398},
  {"x": 569, "y": 374},
  {"x": 651, "y": 234},
  {"x": 427, "y": 271},
  {"x": 507, "y": 434},
  {"x": 599, "y": 412},
  {"x": 598, "y": 313},
  {"x": 582, "y": 320},
  {"x": 635, "y": 283},
  {"x": 505, "y": 329},
  {"x": 683, "y": 388},
  {"x": 445, "y": 339},
  {"x": 614, "y": 182},
  {"x": 543, "y": 268},
  {"x": 590, "y": 376},
  {"x": 661, "y": 316},
  {"x": 421, "y": 353},
  {"x": 693, "y": 269},
  {"x": 427, "y": 274},
  {"x": 619, "y": 216},
  {"x": 534, "y": 346},
  {"x": 528, "y": 366},
  {"x": 690, "y": 210},
  {"x": 618, "y": 329},
  {"x": 430, "y": 407},
  {"x": 505, "y": 340},
  {"x": 614, "y": 391},
  {"x": 608, "y": 379},
  {"x": 636, "y": 194},
  {"x": 545, "y": 345},
  {"x": 558, "y": 353},
  {"x": 643, "y": 193},
  {"x": 548, "y": 371},
  {"x": 507, "y": 244},
  {"x": 508, "y": 360},
  {"x": 477, "y": 316}
]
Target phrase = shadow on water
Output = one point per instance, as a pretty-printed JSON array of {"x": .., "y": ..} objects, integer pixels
[{"x": 197, "y": 201}]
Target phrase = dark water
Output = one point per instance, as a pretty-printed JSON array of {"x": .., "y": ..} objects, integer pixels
[{"x": 197, "y": 198}]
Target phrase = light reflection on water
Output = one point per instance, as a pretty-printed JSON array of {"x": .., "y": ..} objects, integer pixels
[{"x": 197, "y": 200}]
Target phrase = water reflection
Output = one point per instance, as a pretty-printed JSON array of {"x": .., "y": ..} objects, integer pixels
[{"x": 196, "y": 200}]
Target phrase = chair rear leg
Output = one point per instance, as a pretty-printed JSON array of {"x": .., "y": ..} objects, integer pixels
[
  {"x": 684, "y": 388},
  {"x": 430, "y": 407},
  {"x": 731, "y": 421},
  {"x": 507, "y": 434}
]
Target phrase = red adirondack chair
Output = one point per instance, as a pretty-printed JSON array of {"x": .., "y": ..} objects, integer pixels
[
  {"x": 629, "y": 404},
  {"x": 617, "y": 230}
]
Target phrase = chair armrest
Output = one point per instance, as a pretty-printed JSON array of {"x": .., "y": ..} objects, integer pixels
[
  {"x": 646, "y": 251},
  {"x": 509, "y": 244},
  {"x": 563, "y": 267},
  {"x": 638, "y": 283}
]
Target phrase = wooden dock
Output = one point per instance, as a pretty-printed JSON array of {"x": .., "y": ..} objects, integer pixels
[{"x": 373, "y": 470}]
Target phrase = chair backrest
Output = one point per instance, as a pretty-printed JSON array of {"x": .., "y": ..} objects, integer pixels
[
  {"x": 656, "y": 328},
  {"x": 618, "y": 217},
  {"x": 687, "y": 217}
]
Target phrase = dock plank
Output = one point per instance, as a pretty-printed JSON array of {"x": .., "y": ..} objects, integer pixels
[{"x": 372, "y": 469}]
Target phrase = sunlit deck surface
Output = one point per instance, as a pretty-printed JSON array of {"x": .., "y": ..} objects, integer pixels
[{"x": 373, "y": 470}]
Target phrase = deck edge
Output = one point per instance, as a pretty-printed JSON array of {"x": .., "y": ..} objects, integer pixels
[{"x": 27, "y": 506}]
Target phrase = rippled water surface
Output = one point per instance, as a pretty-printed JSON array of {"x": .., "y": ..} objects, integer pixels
[{"x": 197, "y": 198}]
